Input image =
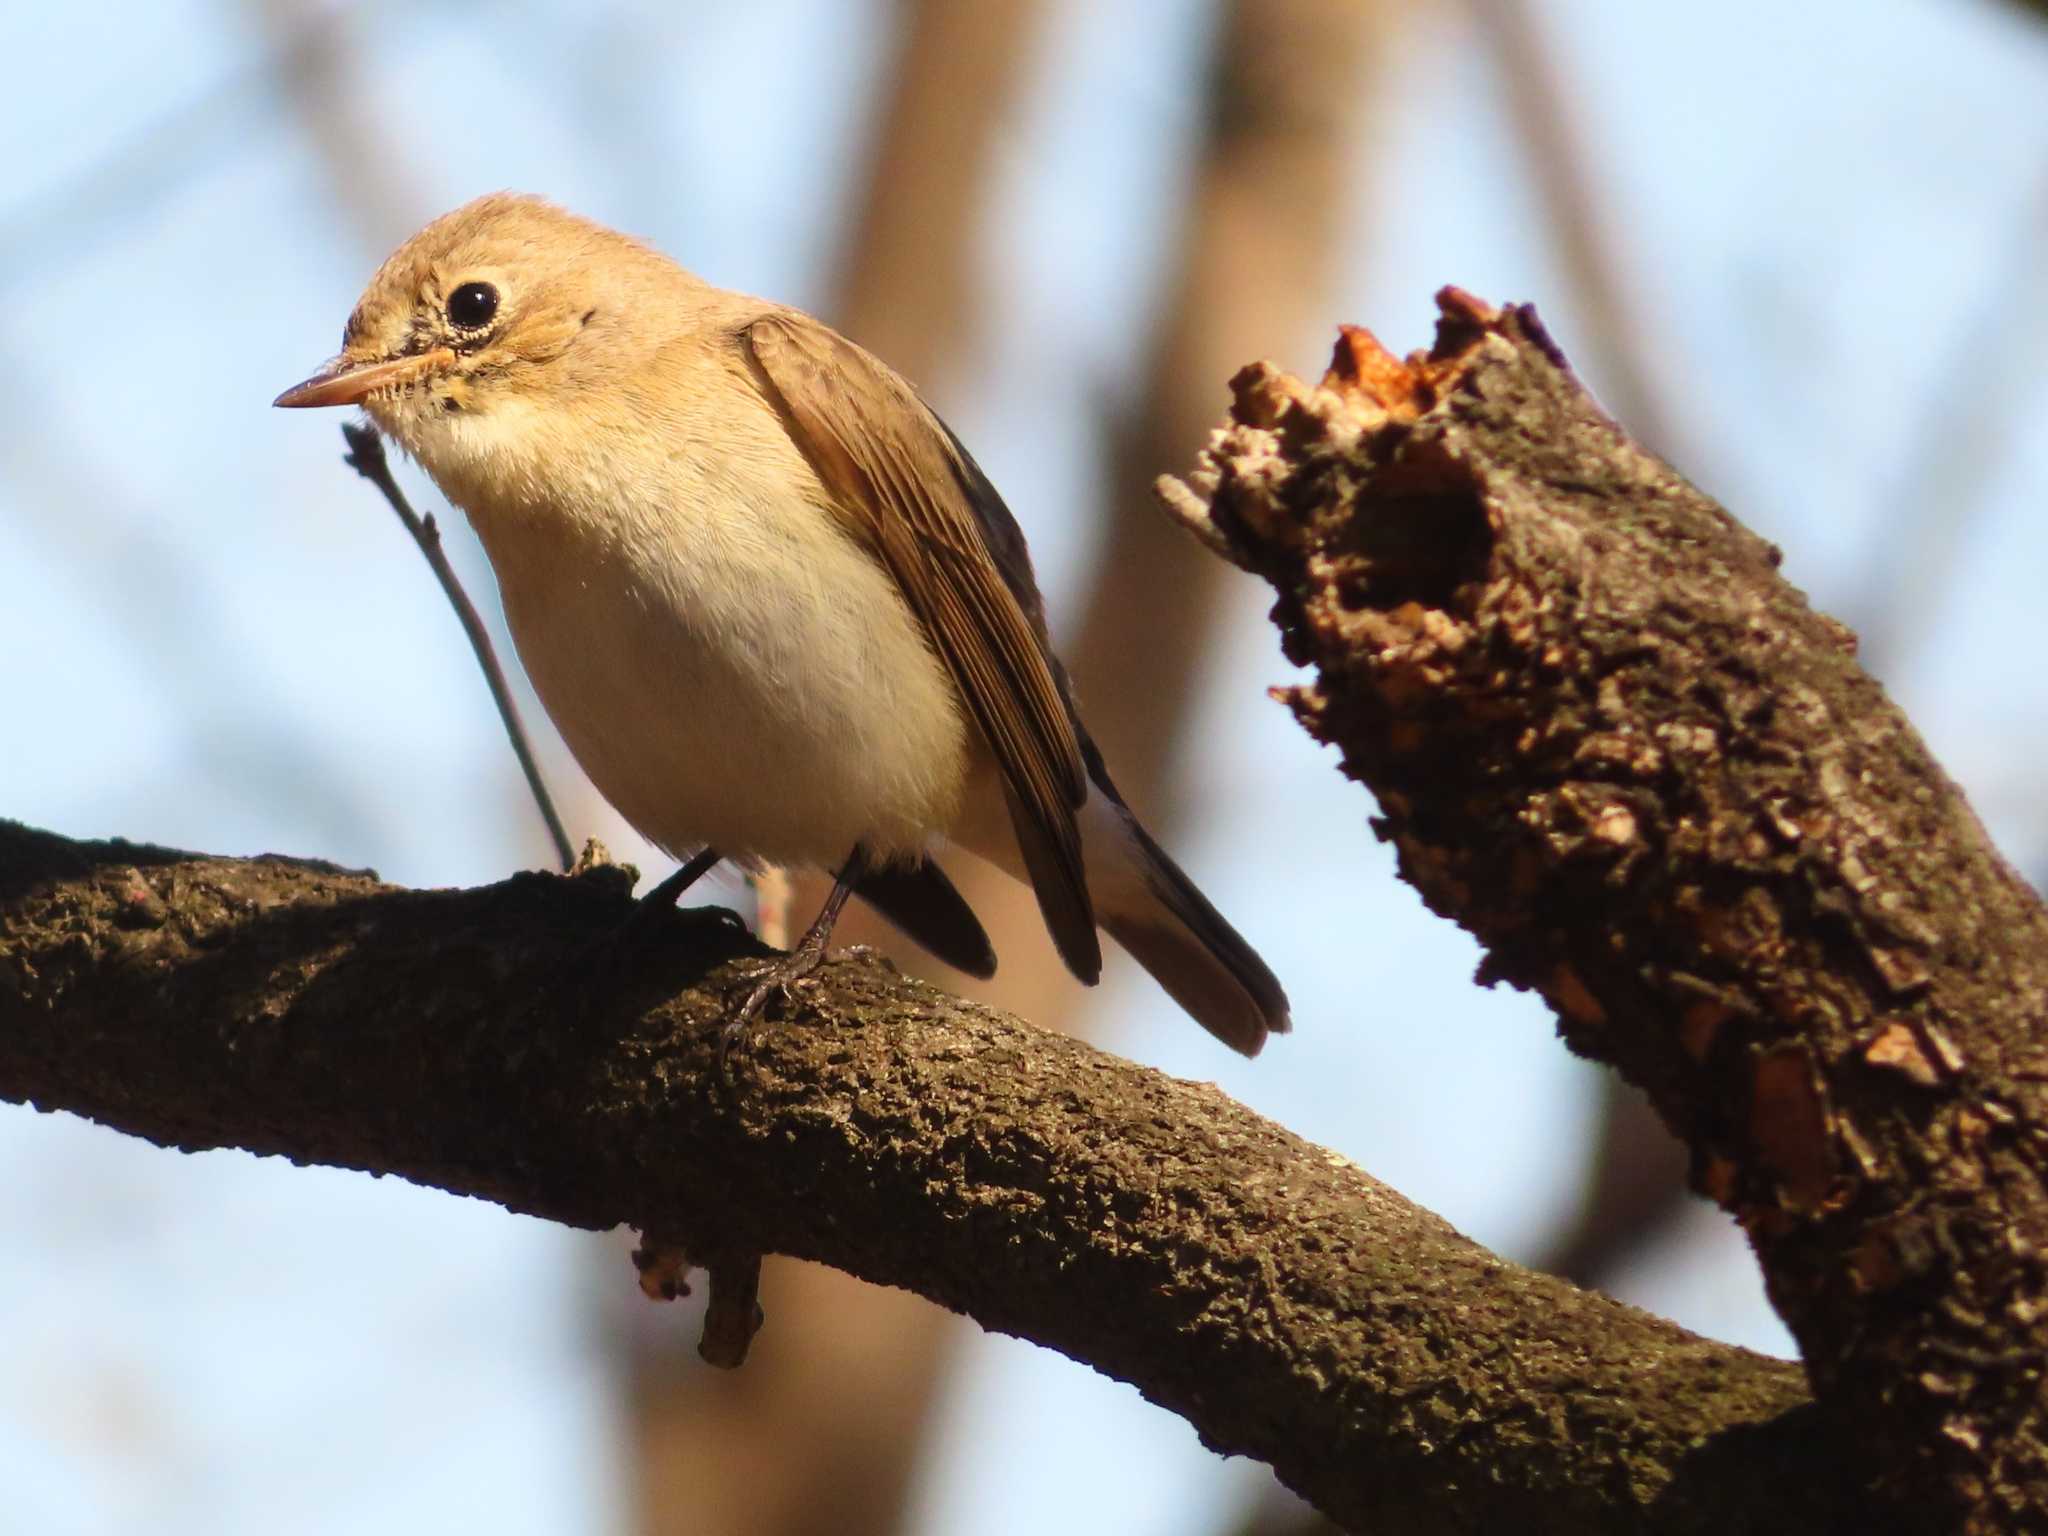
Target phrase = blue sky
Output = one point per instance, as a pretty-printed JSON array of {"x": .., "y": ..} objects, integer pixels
[{"x": 222, "y": 642}]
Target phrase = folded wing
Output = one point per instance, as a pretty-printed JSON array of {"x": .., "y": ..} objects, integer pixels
[{"x": 905, "y": 490}]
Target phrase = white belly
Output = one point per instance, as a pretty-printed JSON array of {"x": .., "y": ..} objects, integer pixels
[{"x": 746, "y": 679}]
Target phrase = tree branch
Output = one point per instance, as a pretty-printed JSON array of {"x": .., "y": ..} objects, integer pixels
[
  {"x": 1288, "y": 1305},
  {"x": 1609, "y": 740}
]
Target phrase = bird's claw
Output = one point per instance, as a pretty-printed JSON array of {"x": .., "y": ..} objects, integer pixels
[{"x": 778, "y": 976}]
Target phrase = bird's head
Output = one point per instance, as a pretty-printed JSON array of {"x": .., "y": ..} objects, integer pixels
[{"x": 487, "y": 322}]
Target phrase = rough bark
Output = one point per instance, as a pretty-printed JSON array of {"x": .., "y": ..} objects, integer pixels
[
  {"x": 500, "y": 1042},
  {"x": 1635, "y": 1183},
  {"x": 1612, "y": 742}
]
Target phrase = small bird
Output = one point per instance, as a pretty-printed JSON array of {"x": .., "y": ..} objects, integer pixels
[{"x": 774, "y": 607}]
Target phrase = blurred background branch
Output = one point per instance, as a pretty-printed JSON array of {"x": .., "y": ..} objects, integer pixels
[{"x": 1275, "y": 169}]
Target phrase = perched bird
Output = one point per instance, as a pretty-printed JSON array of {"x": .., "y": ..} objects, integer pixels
[{"x": 775, "y": 609}]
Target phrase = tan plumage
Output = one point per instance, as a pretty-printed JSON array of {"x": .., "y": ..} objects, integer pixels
[
  {"x": 770, "y": 601},
  {"x": 902, "y": 487}
]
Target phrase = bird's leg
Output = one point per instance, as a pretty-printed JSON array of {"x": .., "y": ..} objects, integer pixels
[
  {"x": 667, "y": 893},
  {"x": 641, "y": 924},
  {"x": 808, "y": 955},
  {"x": 648, "y": 912}
]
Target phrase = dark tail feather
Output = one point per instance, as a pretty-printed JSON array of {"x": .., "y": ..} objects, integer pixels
[
  {"x": 1059, "y": 881},
  {"x": 1145, "y": 902},
  {"x": 921, "y": 901},
  {"x": 1190, "y": 948}
]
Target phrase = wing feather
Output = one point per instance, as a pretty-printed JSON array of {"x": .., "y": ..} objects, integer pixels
[{"x": 907, "y": 492}]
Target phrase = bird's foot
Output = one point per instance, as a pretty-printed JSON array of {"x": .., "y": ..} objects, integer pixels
[
  {"x": 654, "y": 921},
  {"x": 783, "y": 974},
  {"x": 776, "y": 978},
  {"x": 652, "y": 910}
]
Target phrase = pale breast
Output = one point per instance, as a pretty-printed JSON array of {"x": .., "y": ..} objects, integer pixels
[{"x": 726, "y": 664}]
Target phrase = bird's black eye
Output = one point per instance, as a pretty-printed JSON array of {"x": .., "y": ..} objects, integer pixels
[{"x": 471, "y": 306}]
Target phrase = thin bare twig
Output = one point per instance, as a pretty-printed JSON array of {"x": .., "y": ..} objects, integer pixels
[{"x": 366, "y": 457}]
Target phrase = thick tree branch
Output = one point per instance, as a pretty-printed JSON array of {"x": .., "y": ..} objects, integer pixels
[
  {"x": 1288, "y": 1305},
  {"x": 1612, "y": 742}
]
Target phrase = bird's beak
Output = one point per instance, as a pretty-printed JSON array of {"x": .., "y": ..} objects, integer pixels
[{"x": 344, "y": 383}]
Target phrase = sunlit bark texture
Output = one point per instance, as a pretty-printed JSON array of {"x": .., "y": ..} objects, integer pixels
[
  {"x": 1609, "y": 739},
  {"x": 507, "y": 1042}
]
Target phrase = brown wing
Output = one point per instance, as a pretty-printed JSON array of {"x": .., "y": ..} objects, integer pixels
[{"x": 905, "y": 491}]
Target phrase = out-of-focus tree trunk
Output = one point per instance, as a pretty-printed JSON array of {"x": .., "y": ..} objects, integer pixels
[
  {"x": 907, "y": 291},
  {"x": 819, "y": 1435},
  {"x": 823, "y": 1429},
  {"x": 1274, "y": 170},
  {"x": 1265, "y": 195},
  {"x": 327, "y": 93},
  {"x": 907, "y": 273},
  {"x": 1635, "y": 1188},
  {"x": 1267, "y": 204}
]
